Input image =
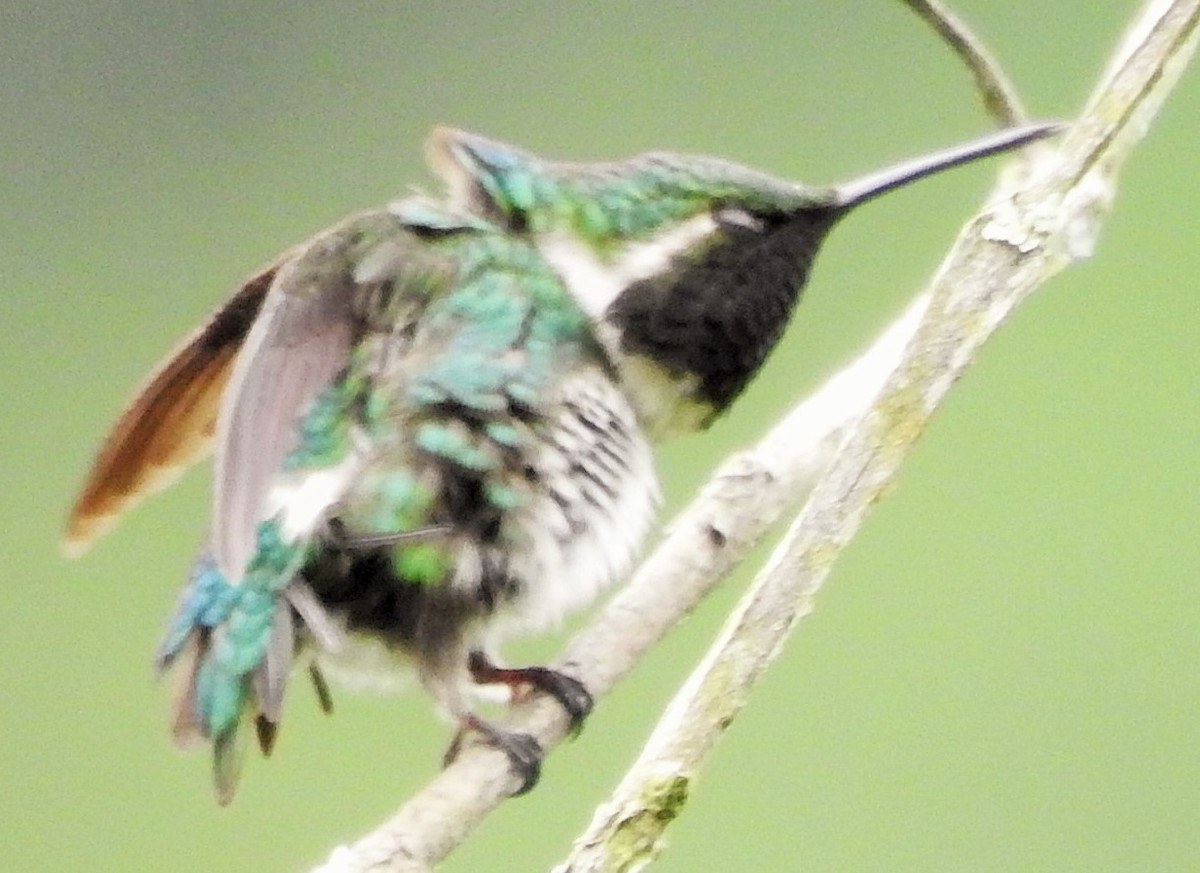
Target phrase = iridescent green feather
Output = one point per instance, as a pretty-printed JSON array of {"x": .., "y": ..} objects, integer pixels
[
  {"x": 223, "y": 678},
  {"x": 608, "y": 204}
]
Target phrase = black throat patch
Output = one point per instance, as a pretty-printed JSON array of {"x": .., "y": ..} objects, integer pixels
[{"x": 718, "y": 314}]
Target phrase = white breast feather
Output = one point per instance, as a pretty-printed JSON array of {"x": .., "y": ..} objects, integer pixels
[{"x": 566, "y": 569}]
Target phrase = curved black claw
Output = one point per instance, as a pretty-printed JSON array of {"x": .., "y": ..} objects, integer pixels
[
  {"x": 524, "y": 752},
  {"x": 570, "y": 693}
]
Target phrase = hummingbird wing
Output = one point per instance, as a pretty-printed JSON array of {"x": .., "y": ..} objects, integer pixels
[
  {"x": 298, "y": 374},
  {"x": 169, "y": 423},
  {"x": 300, "y": 341}
]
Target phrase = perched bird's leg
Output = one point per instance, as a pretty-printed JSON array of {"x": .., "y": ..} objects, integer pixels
[
  {"x": 570, "y": 693},
  {"x": 524, "y": 752}
]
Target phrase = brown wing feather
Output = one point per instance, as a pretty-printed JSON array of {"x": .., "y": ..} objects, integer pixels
[{"x": 170, "y": 422}]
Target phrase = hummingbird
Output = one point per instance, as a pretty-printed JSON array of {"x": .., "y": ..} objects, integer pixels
[{"x": 432, "y": 424}]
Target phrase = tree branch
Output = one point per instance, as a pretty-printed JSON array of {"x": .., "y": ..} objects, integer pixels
[
  {"x": 1045, "y": 221},
  {"x": 999, "y": 97}
]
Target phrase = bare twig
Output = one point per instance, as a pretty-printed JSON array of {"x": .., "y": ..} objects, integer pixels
[
  {"x": 1034, "y": 230},
  {"x": 999, "y": 96}
]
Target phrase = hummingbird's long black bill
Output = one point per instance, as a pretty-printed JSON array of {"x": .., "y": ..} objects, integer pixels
[{"x": 870, "y": 186}]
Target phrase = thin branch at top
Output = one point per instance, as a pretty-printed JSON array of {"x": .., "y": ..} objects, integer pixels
[{"x": 999, "y": 97}]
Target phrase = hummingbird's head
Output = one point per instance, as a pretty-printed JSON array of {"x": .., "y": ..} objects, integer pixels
[
  {"x": 611, "y": 203},
  {"x": 687, "y": 265}
]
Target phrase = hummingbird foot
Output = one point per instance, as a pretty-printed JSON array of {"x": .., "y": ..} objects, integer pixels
[
  {"x": 524, "y": 752},
  {"x": 570, "y": 693}
]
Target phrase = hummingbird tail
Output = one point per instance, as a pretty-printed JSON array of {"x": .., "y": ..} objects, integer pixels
[
  {"x": 234, "y": 646},
  {"x": 190, "y": 726}
]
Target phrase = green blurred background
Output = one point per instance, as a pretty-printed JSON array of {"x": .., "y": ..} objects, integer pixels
[{"x": 1003, "y": 672}]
